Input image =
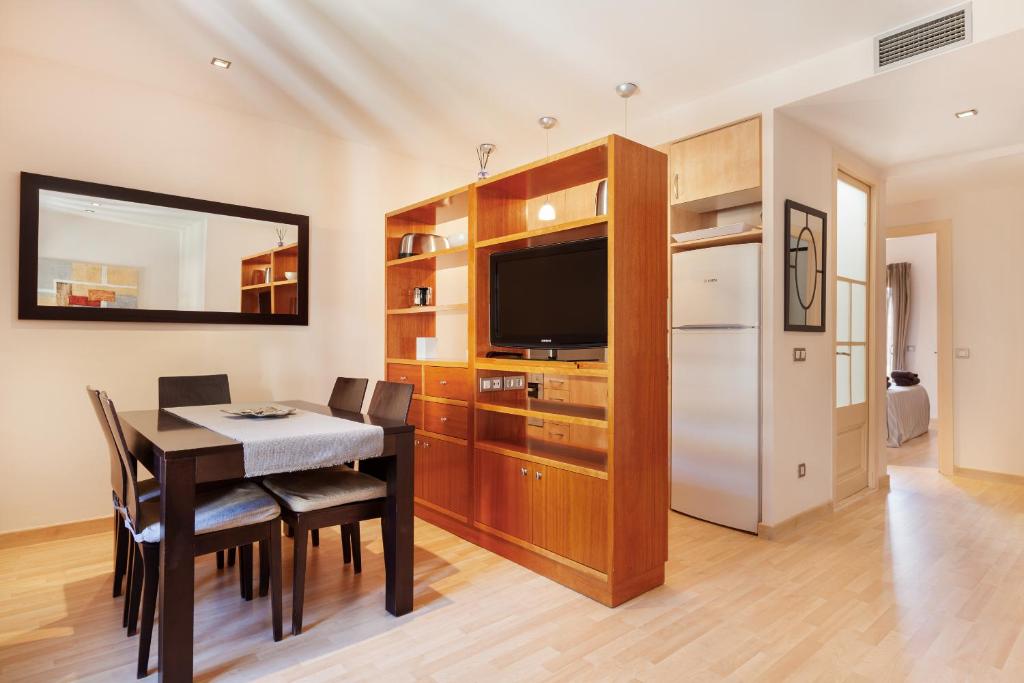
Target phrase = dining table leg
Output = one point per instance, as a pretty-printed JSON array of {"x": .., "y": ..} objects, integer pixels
[
  {"x": 177, "y": 567},
  {"x": 398, "y": 528}
]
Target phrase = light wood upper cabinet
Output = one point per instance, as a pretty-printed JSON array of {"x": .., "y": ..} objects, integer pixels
[{"x": 718, "y": 169}]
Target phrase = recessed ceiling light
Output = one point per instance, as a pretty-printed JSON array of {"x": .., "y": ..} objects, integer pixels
[
  {"x": 95, "y": 203},
  {"x": 90, "y": 210},
  {"x": 967, "y": 113},
  {"x": 222, "y": 63}
]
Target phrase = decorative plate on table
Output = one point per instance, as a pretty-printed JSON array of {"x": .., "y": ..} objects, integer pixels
[{"x": 266, "y": 411}]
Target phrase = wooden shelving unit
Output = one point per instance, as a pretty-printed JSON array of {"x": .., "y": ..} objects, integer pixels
[
  {"x": 279, "y": 295},
  {"x": 573, "y": 483}
]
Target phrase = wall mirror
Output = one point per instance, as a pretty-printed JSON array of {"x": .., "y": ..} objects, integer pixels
[
  {"x": 805, "y": 245},
  {"x": 99, "y": 252}
]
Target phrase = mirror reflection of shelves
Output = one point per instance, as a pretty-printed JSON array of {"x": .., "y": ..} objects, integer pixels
[{"x": 265, "y": 285}]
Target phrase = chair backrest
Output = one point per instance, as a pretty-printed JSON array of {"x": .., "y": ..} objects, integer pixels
[
  {"x": 130, "y": 499},
  {"x": 193, "y": 390},
  {"x": 348, "y": 394},
  {"x": 117, "y": 475},
  {"x": 391, "y": 401}
]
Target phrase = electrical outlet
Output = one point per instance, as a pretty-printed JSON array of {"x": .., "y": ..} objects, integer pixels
[
  {"x": 515, "y": 382},
  {"x": 963, "y": 353},
  {"x": 799, "y": 355},
  {"x": 801, "y": 470},
  {"x": 490, "y": 384}
]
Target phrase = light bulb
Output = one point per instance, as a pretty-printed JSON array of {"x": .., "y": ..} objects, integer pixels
[{"x": 546, "y": 213}]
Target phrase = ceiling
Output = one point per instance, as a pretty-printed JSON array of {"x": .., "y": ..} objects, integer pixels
[
  {"x": 907, "y": 115},
  {"x": 433, "y": 79}
]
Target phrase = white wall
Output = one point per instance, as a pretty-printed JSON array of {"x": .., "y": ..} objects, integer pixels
[
  {"x": 920, "y": 252},
  {"x": 228, "y": 241},
  {"x": 69, "y": 123},
  {"x": 988, "y": 318},
  {"x": 798, "y": 398}
]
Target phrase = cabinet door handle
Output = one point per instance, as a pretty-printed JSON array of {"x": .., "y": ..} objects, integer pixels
[
  {"x": 402, "y": 378},
  {"x": 522, "y": 471},
  {"x": 417, "y": 442},
  {"x": 443, "y": 382},
  {"x": 444, "y": 419},
  {"x": 539, "y": 475},
  {"x": 426, "y": 444},
  {"x": 675, "y": 185}
]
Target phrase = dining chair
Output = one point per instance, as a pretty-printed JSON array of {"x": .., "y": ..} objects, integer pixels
[
  {"x": 234, "y": 515},
  {"x": 147, "y": 489},
  {"x": 196, "y": 390},
  {"x": 347, "y": 395},
  {"x": 342, "y": 496}
]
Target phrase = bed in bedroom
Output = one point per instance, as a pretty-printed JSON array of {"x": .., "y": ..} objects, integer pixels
[{"x": 908, "y": 413}]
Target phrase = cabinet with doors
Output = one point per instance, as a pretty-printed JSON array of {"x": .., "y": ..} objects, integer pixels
[
  {"x": 718, "y": 169},
  {"x": 570, "y": 479}
]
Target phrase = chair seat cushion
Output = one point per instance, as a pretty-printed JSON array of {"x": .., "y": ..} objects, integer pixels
[
  {"x": 217, "y": 509},
  {"x": 319, "y": 489}
]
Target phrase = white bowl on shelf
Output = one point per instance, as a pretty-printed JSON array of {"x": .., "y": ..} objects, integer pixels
[{"x": 291, "y": 275}]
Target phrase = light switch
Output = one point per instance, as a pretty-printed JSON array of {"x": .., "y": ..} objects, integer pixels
[
  {"x": 911, "y": 349},
  {"x": 963, "y": 352},
  {"x": 799, "y": 355}
]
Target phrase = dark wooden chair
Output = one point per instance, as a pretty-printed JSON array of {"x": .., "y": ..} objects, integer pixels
[
  {"x": 229, "y": 516},
  {"x": 147, "y": 490},
  {"x": 338, "y": 497},
  {"x": 347, "y": 395},
  {"x": 196, "y": 390}
]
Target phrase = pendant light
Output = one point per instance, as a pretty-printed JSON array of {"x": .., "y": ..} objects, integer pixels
[
  {"x": 625, "y": 91},
  {"x": 547, "y": 211}
]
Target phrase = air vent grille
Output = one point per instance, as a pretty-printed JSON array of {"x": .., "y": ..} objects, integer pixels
[{"x": 938, "y": 33}]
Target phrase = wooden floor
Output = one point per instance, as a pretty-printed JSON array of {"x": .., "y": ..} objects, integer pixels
[{"x": 923, "y": 583}]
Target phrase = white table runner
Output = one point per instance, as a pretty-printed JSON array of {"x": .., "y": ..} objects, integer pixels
[{"x": 303, "y": 441}]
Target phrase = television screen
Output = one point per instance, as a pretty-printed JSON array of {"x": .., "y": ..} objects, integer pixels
[{"x": 551, "y": 297}]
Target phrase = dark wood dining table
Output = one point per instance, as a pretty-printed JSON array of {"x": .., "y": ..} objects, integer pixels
[{"x": 181, "y": 455}]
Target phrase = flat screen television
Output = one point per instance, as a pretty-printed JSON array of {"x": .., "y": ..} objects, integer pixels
[{"x": 551, "y": 297}]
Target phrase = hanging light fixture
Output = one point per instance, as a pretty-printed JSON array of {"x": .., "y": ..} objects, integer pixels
[
  {"x": 547, "y": 211},
  {"x": 625, "y": 91}
]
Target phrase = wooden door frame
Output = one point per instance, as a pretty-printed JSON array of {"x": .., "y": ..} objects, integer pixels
[
  {"x": 943, "y": 231},
  {"x": 875, "y": 468}
]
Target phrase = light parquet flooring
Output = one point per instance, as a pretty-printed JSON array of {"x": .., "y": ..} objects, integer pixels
[{"x": 924, "y": 583}]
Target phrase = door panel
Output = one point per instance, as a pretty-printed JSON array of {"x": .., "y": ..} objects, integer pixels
[
  {"x": 442, "y": 474},
  {"x": 570, "y": 515},
  {"x": 851, "y": 456},
  {"x": 503, "y": 494}
]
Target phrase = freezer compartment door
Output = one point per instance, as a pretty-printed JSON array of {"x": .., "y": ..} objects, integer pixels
[
  {"x": 717, "y": 286},
  {"x": 715, "y": 426}
]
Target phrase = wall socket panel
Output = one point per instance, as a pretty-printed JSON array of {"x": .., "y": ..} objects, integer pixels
[
  {"x": 509, "y": 383},
  {"x": 799, "y": 355}
]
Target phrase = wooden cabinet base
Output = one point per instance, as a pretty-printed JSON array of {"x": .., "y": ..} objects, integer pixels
[{"x": 580, "y": 578}]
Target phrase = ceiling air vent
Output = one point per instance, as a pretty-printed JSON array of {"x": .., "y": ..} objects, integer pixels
[{"x": 939, "y": 33}]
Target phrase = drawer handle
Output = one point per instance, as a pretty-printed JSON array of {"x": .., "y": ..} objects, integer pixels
[
  {"x": 556, "y": 381},
  {"x": 539, "y": 475},
  {"x": 558, "y": 435},
  {"x": 444, "y": 419},
  {"x": 444, "y": 382},
  {"x": 522, "y": 471},
  {"x": 402, "y": 378},
  {"x": 417, "y": 442},
  {"x": 426, "y": 444}
]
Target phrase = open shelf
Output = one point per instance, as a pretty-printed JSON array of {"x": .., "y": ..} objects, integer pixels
[
  {"x": 549, "y": 230},
  {"x": 252, "y": 288},
  {"x": 563, "y": 456},
  {"x": 589, "y": 416},
  {"x": 444, "y": 308},
  {"x": 583, "y": 368},
  {"x": 439, "y": 362},
  {"x": 749, "y": 237},
  {"x": 426, "y": 210},
  {"x": 425, "y": 257}
]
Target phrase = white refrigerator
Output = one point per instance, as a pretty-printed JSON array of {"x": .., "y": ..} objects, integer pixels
[{"x": 716, "y": 385}]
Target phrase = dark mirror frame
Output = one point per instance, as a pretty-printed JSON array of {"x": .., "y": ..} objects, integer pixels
[
  {"x": 822, "y": 295},
  {"x": 28, "y": 260}
]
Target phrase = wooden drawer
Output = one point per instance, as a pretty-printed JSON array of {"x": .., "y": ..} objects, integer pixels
[
  {"x": 558, "y": 382},
  {"x": 406, "y": 374},
  {"x": 557, "y": 431},
  {"x": 561, "y": 395},
  {"x": 442, "y": 418},
  {"x": 447, "y": 382}
]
